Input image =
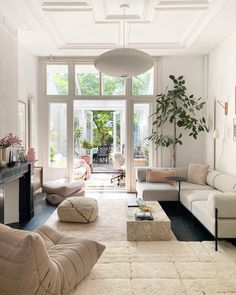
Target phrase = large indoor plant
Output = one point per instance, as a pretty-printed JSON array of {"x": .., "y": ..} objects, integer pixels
[{"x": 181, "y": 111}]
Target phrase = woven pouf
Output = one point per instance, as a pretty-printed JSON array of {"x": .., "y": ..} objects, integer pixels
[{"x": 76, "y": 209}]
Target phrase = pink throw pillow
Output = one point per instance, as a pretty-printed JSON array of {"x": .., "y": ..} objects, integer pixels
[{"x": 159, "y": 176}]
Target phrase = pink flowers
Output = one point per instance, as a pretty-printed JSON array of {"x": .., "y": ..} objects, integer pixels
[{"x": 9, "y": 140}]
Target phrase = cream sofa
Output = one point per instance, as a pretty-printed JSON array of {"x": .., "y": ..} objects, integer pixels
[{"x": 213, "y": 204}]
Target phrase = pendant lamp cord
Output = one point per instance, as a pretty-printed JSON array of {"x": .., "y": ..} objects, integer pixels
[{"x": 124, "y": 29}]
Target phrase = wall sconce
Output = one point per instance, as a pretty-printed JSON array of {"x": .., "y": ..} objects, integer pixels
[{"x": 224, "y": 105}]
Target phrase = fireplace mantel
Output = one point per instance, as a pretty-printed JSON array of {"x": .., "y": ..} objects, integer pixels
[{"x": 23, "y": 172}]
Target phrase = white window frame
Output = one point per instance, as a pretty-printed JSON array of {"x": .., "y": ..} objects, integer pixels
[{"x": 43, "y": 111}]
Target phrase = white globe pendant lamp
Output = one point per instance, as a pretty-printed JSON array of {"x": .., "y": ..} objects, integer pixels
[{"x": 123, "y": 62}]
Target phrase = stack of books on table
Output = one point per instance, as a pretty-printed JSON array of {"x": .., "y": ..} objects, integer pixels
[{"x": 143, "y": 216}]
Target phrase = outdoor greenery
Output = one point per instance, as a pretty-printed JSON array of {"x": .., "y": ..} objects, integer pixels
[
  {"x": 77, "y": 134},
  {"x": 103, "y": 127},
  {"x": 61, "y": 83},
  {"x": 140, "y": 84},
  {"x": 175, "y": 107},
  {"x": 88, "y": 84},
  {"x": 86, "y": 144},
  {"x": 113, "y": 85}
]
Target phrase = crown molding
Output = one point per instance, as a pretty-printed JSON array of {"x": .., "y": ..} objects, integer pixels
[
  {"x": 190, "y": 37},
  {"x": 183, "y": 5}
]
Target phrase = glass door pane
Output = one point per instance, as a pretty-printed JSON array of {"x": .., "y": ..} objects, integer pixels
[
  {"x": 57, "y": 135},
  {"x": 140, "y": 134}
]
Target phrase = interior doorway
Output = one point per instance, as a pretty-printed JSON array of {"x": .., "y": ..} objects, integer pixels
[{"x": 99, "y": 134}]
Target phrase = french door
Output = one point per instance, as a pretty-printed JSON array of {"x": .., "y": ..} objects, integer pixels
[{"x": 131, "y": 127}]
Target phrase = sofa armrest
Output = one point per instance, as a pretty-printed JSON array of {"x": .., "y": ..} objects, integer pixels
[{"x": 224, "y": 202}]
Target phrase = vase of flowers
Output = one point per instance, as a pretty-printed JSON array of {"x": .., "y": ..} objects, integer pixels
[{"x": 10, "y": 140}]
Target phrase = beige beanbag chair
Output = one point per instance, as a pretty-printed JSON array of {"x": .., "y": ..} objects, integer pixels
[
  {"x": 76, "y": 209},
  {"x": 44, "y": 262},
  {"x": 58, "y": 190}
]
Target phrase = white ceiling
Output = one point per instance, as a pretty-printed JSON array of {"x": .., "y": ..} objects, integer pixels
[{"x": 91, "y": 27}]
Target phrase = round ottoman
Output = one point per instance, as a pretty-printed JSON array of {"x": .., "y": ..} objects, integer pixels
[{"x": 76, "y": 209}]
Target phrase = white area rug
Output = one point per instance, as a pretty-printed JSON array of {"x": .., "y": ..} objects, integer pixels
[{"x": 150, "y": 268}]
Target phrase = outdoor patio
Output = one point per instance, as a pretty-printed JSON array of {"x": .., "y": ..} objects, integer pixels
[
  {"x": 102, "y": 181},
  {"x": 103, "y": 167}
]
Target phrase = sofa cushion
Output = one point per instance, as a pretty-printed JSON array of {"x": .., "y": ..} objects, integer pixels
[
  {"x": 199, "y": 210},
  {"x": 211, "y": 175},
  {"x": 197, "y": 173},
  {"x": 226, "y": 226},
  {"x": 156, "y": 191},
  {"x": 224, "y": 202},
  {"x": 192, "y": 186},
  {"x": 225, "y": 182},
  {"x": 159, "y": 176},
  {"x": 187, "y": 197}
]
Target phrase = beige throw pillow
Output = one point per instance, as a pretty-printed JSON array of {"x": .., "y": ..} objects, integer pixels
[
  {"x": 197, "y": 173},
  {"x": 159, "y": 176}
]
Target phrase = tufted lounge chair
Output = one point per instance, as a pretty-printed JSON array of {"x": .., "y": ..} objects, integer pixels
[{"x": 43, "y": 262}]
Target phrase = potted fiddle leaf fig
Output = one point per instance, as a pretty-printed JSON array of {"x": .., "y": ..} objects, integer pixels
[{"x": 176, "y": 108}]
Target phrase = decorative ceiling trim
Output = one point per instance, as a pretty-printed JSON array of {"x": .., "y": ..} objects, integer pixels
[
  {"x": 199, "y": 26},
  {"x": 154, "y": 45},
  {"x": 66, "y": 6},
  {"x": 64, "y": 3},
  {"x": 52, "y": 9},
  {"x": 183, "y": 5},
  {"x": 120, "y": 17},
  {"x": 128, "y": 16}
]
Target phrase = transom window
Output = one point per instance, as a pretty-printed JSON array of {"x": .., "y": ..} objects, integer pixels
[
  {"x": 86, "y": 80},
  {"x": 57, "y": 80},
  {"x": 90, "y": 82},
  {"x": 144, "y": 83}
]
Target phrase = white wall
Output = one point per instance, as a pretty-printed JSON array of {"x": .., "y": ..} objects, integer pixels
[
  {"x": 27, "y": 88},
  {"x": 192, "y": 68},
  {"x": 18, "y": 77},
  {"x": 18, "y": 69},
  {"x": 8, "y": 81},
  {"x": 221, "y": 86}
]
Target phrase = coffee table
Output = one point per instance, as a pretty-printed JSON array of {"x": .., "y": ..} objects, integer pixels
[{"x": 158, "y": 229}]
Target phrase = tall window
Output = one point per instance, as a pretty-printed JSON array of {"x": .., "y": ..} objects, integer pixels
[
  {"x": 86, "y": 80},
  {"x": 57, "y": 79},
  {"x": 144, "y": 83},
  {"x": 58, "y": 135},
  {"x": 140, "y": 134}
]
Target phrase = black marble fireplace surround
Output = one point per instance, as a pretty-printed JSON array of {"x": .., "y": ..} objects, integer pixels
[{"x": 23, "y": 172}]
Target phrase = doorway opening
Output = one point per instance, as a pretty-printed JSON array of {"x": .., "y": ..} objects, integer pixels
[{"x": 99, "y": 136}]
